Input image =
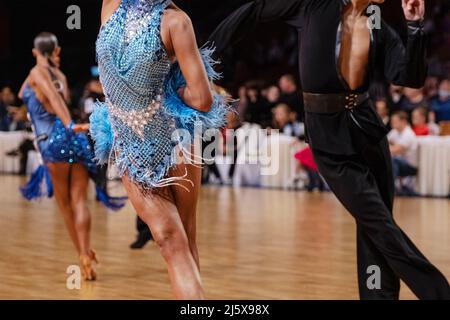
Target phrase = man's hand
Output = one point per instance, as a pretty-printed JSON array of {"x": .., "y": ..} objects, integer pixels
[{"x": 414, "y": 9}]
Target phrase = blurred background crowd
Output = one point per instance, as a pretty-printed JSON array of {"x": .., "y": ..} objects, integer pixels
[{"x": 260, "y": 73}]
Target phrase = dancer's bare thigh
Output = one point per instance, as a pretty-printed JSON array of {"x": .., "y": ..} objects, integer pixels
[{"x": 186, "y": 195}]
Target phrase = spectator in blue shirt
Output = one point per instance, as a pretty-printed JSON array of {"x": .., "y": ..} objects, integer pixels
[{"x": 440, "y": 106}]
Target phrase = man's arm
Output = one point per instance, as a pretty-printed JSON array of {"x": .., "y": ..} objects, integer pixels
[
  {"x": 407, "y": 66},
  {"x": 246, "y": 18}
]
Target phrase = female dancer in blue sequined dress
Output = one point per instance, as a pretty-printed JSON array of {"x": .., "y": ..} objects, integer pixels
[
  {"x": 67, "y": 156},
  {"x": 156, "y": 83}
]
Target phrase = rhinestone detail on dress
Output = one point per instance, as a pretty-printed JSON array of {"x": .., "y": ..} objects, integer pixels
[{"x": 136, "y": 119}]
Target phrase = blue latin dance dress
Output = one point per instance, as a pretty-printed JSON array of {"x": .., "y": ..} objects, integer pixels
[
  {"x": 56, "y": 143},
  {"x": 134, "y": 128}
]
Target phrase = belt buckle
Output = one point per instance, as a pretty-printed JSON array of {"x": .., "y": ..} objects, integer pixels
[{"x": 351, "y": 101}]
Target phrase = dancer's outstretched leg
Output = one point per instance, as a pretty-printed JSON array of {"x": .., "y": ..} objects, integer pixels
[
  {"x": 186, "y": 203},
  {"x": 60, "y": 174},
  {"x": 355, "y": 185},
  {"x": 79, "y": 179},
  {"x": 165, "y": 223}
]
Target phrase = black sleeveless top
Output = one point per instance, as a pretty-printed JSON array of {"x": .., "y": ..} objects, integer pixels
[
  {"x": 318, "y": 22},
  {"x": 318, "y": 25}
]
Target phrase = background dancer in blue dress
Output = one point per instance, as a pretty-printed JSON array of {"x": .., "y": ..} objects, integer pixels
[
  {"x": 67, "y": 156},
  {"x": 156, "y": 82}
]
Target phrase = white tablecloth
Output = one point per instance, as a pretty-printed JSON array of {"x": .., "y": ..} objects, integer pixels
[
  {"x": 434, "y": 166},
  {"x": 267, "y": 161},
  {"x": 433, "y": 157},
  {"x": 10, "y": 141},
  {"x": 283, "y": 162}
]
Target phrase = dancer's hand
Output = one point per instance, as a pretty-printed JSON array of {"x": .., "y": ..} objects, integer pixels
[
  {"x": 84, "y": 127},
  {"x": 414, "y": 9}
]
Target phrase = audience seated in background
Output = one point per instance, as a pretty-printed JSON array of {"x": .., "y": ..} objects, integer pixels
[
  {"x": 93, "y": 91},
  {"x": 13, "y": 118},
  {"x": 431, "y": 87},
  {"x": 251, "y": 103},
  {"x": 290, "y": 95},
  {"x": 7, "y": 99},
  {"x": 440, "y": 106},
  {"x": 383, "y": 111},
  {"x": 420, "y": 124},
  {"x": 272, "y": 94},
  {"x": 395, "y": 97},
  {"x": 403, "y": 146},
  {"x": 412, "y": 99},
  {"x": 18, "y": 118},
  {"x": 270, "y": 99},
  {"x": 286, "y": 122}
]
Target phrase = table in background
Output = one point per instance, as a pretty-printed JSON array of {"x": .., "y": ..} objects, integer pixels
[
  {"x": 433, "y": 155},
  {"x": 434, "y": 166},
  {"x": 284, "y": 161},
  {"x": 268, "y": 162},
  {"x": 10, "y": 141}
]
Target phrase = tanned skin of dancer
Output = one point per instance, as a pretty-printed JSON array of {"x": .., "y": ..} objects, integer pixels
[
  {"x": 70, "y": 181},
  {"x": 354, "y": 56},
  {"x": 173, "y": 225}
]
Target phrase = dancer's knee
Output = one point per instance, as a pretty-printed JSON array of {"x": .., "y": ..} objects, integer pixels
[
  {"x": 171, "y": 241},
  {"x": 81, "y": 216},
  {"x": 65, "y": 208},
  {"x": 77, "y": 204}
]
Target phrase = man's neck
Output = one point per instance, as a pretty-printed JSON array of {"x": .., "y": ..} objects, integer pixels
[{"x": 358, "y": 7}]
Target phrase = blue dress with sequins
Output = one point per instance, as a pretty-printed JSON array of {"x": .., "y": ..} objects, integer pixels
[
  {"x": 55, "y": 142},
  {"x": 135, "y": 127},
  {"x": 58, "y": 144}
]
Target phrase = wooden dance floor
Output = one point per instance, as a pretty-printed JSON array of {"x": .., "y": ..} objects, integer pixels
[{"x": 254, "y": 244}]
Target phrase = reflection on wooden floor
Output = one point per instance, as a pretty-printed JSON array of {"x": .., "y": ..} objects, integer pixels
[{"x": 254, "y": 244}]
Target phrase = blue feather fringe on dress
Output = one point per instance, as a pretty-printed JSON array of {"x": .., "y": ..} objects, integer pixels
[
  {"x": 136, "y": 128},
  {"x": 39, "y": 184},
  {"x": 185, "y": 116}
]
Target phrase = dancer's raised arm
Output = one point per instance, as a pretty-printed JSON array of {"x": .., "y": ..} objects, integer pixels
[
  {"x": 246, "y": 18},
  {"x": 108, "y": 8},
  {"x": 406, "y": 66},
  {"x": 179, "y": 39},
  {"x": 41, "y": 78}
]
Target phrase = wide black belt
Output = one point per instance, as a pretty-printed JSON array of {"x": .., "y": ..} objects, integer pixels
[{"x": 333, "y": 102}]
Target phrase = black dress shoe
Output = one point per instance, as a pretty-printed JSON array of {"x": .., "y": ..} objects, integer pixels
[{"x": 141, "y": 240}]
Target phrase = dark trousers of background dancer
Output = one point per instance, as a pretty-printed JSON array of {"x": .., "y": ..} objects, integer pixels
[
  {"x": 364, "y": 185},
  {"x": 22, "y": 152},
  {"x": 229, "y": 149},
  {"x": 144, "y": 234},
  {"x": 102, "y": 178},
  {"x": 210, "y": 166}
]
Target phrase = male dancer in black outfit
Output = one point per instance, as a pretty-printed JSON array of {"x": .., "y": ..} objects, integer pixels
[{"x": 342, "y": 46}]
